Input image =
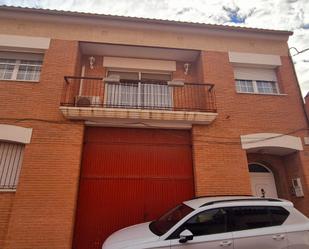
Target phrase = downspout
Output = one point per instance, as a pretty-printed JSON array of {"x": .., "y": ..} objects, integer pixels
[
  {"x": 299, "y": 90},
  {"x": 81, "y": 81}
]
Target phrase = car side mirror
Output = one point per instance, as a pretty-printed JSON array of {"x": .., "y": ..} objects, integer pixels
[{"x": 185, "y": 235}]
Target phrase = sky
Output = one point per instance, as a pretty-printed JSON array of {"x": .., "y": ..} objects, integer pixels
[{"x": 290, "y": 15}]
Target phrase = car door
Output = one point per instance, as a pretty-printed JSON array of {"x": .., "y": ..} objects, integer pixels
[
  {"x": 209, "y": 229},
  {"x": 254, "y": 228}
]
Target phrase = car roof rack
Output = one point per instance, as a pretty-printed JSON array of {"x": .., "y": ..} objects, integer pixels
[
  {"x": 210, "y": 196},
  {"x": 243, "y": 199}
]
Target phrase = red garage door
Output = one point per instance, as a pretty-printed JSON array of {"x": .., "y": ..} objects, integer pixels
[{"x": 129, "y": 176}]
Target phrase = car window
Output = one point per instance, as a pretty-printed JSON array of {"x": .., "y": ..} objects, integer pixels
[
  {"x": 251, "y": 217},
  {"x": 205, "y": 223},
  {"x": 278, "y": 215},
  {"x": 168, "y": 220}
]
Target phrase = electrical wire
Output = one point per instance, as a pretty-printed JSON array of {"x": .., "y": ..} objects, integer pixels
[
  {"x": 216, "y": 139},
  {"x": 297, "y": 51},
  {"x": 19, "y": 120}
]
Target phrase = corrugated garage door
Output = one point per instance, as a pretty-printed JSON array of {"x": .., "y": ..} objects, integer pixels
[{"x": 129, "y": 176}]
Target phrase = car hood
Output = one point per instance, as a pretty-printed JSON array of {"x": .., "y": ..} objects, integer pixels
[{"x": 130, "y": 236}]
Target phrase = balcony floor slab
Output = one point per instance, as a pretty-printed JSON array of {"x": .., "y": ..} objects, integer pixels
[{"x": 138, "y": 117}]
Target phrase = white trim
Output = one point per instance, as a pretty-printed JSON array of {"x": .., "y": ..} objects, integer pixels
[
  {"x": 17, "y": 64},
  {"x": 12, "y": 133},
  {"x": 272, "y": 143},
  {"x": 263, "y": 60},
  {"x": 143, "y": 64},
  {"x": 80, "y": 91},
  {"x": 256, "y": 89},
  {"x": 271, "y": 94}
]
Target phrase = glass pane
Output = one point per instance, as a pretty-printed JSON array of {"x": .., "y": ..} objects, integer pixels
[
  {"x": 266, "y": 87},
  {"x": 125, "y": 75},
  {"x": 28, "y": 72},
  {"x": 6, "y": 68},
  {"x": 256, "y": 168},
  {"x": 154, "y": 76},
  {"x": 168, "y": 220},
  {"x": 278, "y": 215},
  {"x": 208, "y": 222},
  {"x": 250, "y": 218},
  {"x": 7, "y": 61},
  {"x": 244, "y": 86}
]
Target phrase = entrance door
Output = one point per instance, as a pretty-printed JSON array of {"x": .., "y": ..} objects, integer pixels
[
  {"x": 129, "y": 176},
  {"x": 262, "y": 181}
]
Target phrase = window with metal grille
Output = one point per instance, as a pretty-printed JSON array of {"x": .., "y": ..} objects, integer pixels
[
  {"x": 266, "y": 87},
  {"x": 256, "y": 86},
  {"x": 11, "y": 156},
  {"x": 244, "y": 86},
  {"x": 15, "y": 69},
  {"x": 258, "y": 80}
]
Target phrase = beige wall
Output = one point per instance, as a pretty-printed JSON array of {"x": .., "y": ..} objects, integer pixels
[{"x": 109, "y": 34}]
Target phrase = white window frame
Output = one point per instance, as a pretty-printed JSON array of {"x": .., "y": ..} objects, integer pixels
[
  {"x": 17, "y": 64},
  {"x": 255, "y": 87}
]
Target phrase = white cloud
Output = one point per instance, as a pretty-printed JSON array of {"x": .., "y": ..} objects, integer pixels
[{"x": 272, "y": 14}]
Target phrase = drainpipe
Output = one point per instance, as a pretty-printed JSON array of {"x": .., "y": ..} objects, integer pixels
[
  {"x": 81, "y": 81},
  {"x": 299, "y": 90}
]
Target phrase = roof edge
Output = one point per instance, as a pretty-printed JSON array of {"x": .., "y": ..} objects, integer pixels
[{"x": 144, "y": 20}]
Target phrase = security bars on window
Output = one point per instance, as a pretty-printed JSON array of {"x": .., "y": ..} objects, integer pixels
[
  {"x": 256, "y": 86},
  {"x": 11, "y": 155},
  {"x": 25, "y": 70}
]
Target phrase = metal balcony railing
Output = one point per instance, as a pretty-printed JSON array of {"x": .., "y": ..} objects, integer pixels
[{"x": 138, "y": 94}]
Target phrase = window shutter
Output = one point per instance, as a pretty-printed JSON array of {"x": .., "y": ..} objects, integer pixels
[
  {"x": 11, "y": 155},
  {"x": 248, "y": 73}
]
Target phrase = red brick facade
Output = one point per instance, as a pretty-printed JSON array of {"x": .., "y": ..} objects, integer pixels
[{"x": 40, "y": 214}]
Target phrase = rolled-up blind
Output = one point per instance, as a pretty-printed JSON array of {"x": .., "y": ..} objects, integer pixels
[{"x": 248, "y": 73}]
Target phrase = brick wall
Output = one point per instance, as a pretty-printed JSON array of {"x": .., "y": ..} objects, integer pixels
[
  {"x": 43, "y": 207},
  {"x": 220, "y": 165},
  {"x": 6, "y": 202}
]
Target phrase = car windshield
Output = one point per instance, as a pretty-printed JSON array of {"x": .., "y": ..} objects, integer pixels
[{"x": 168, "y": 220}]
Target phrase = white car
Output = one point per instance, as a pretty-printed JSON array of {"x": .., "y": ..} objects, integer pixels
[{"x": 236, "y": 222}]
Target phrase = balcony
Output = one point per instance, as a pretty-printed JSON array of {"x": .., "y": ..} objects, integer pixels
[{"x": 169, "y": 104}]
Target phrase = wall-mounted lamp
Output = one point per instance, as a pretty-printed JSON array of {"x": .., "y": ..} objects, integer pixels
[
  {"x": 186, "y": 67},
  {"x": 91, "y": 62}
]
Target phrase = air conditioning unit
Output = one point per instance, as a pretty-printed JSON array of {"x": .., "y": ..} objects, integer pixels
[{"x": 88, "y": 101}]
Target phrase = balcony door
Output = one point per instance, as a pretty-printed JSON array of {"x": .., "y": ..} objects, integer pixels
[{"x": 139, "y": 90}]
